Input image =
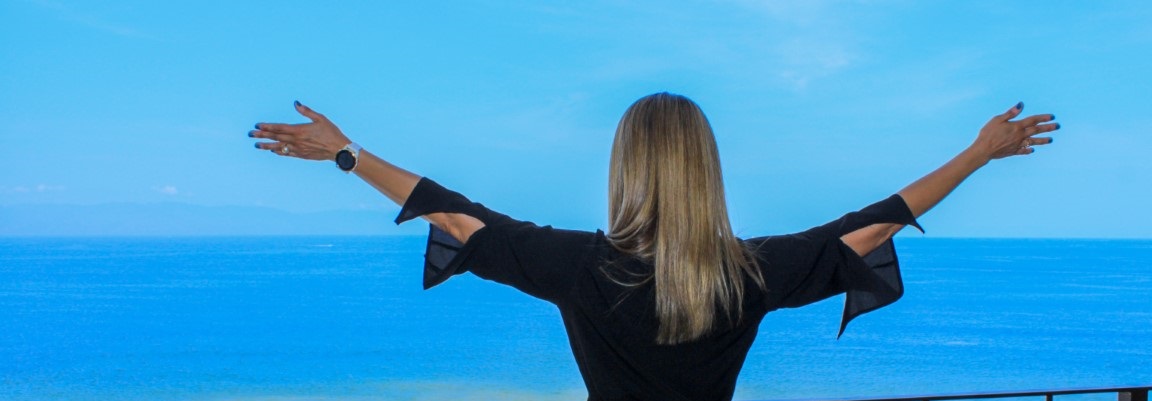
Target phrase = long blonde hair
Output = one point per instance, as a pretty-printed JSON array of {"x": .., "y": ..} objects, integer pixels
[{"x": 666, "y": 206}]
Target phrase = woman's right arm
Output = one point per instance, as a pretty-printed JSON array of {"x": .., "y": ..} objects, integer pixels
[
  {"x": 397, "y": 183},
  {"x": 320, "y": 139},
  {"x": 999, "y": 138}
]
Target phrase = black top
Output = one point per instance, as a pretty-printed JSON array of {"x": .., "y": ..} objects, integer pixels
[{"x": 612, "y": 329}]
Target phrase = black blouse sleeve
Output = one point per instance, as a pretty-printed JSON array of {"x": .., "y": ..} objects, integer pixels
[
  {"x": 809, "y": 266},
  {"x": 539, "y": 261}
]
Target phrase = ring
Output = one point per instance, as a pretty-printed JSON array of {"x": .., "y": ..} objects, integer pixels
[{"x": 284, "y": 150}]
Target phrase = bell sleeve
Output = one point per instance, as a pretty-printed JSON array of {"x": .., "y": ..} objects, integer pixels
[
  {"x": 536, "y": 260},
  {"x": 802, "y": 268}
]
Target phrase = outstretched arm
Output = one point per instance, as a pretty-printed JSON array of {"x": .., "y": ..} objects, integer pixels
[
  {"x": 320, "y": 139},
  {"x": 1001, "y": 137}
]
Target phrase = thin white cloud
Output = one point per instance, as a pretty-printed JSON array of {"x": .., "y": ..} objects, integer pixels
[
  {"x": 89, "y": 20},
  {"x": 804, "y": 59},
  {"x": 934, "y": 83},
  {"x": 797, "y": 12},
  {"x": 805, "y": 41},
  {"x": 38, "y": 188},
  {"x": 48, "y": 188},
  {"x": 167, "y": 190}
]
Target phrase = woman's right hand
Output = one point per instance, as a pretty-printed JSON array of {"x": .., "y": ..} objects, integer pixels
[
  {"x": 319, "y": 139},
  {"x": 1002, "y": 137}
]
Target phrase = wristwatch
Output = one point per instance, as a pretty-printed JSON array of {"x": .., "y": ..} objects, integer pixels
[{"x": 346, "y": 157}]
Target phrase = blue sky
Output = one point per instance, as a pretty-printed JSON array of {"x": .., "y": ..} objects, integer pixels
[{"x": 819, "y": 107}]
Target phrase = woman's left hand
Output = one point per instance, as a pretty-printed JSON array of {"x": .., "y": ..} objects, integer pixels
[
  {"x": 1001, "y": 137},
  {"x": 317, "y": 140}
]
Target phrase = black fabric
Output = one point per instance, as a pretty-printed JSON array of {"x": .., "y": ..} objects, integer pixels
[{"x": 612, "y": 327}]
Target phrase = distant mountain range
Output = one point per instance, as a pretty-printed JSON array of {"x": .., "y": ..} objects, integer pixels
[{"x": 186, "y": 219}]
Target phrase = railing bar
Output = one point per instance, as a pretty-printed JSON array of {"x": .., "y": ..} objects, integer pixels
[{"x": 1139, "y": 393}]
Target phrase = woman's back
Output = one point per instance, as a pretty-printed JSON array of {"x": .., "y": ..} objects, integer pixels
[{"x": 613, "y": 328}]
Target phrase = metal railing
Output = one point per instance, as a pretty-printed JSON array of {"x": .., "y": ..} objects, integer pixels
[{"x": 1139, "y": 393}]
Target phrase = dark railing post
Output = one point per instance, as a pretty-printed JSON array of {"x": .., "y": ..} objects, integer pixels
[
  {"x": 1133, "y": 395},
  {"x": 1048, "y": 397}
]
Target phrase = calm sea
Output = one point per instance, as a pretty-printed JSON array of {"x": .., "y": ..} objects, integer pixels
[{"x": 344, "y": 318}]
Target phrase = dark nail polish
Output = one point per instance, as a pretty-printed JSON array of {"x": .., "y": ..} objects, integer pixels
[
  {"x": 257, "y": 146},
  {"x": 1050, "y": 140},
  {"x": 1019, "y": 106},
  {"x": 250, "y": 135},
  {"x": 257, "y": 126},
  {"x": 1057, "y": 125},
  {"x": 1052, "y": 118},
  {"x": 296, "y": 102}
]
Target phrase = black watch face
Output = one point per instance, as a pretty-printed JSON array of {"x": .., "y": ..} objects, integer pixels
[{"x": 345, "y": 160}]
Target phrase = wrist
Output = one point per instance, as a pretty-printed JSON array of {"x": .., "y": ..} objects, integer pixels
[
  {"x": 337, "y": 145},
  {"x": 975, "y": 156}
]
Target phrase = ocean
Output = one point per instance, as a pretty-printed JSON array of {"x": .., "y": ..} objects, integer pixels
[{"x": 345, "y": 319}]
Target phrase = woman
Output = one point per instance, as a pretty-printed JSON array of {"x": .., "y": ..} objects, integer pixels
[{"x": 666, "y": 304}]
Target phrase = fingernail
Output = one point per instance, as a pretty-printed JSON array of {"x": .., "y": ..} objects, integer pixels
[
  {"x": 257, "y": 146},
  {"x": 1057, "y": 125},
  {"x": 296, "y": 102},
  {"x": 1052, "y": 118},
  {"x": 1019, "y": 105},
  {"x": 250, "y": 135},
  {"x": 1050, "y": 140},
  {"x": 257, "y": 126}
]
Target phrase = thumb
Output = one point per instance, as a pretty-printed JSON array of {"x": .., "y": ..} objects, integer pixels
[
  {"x": 308, "y": 112},
  {"x": 1011, "y": 113}
]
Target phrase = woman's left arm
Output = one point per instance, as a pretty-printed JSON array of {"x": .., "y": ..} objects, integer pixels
[
  {"x": 999, "y": 138},
  {"x": 320, "y": 139}
]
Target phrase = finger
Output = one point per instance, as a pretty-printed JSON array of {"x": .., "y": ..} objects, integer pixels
[
  {"x": 1025, "y": 150},
  {"x": 1038, "y": 141},
  {"x": 279, "y": 148},
  {"x": 308, "y": 112},
  {"x": 1037, "y": 119},
  {"x": 268, "y": 135},
  {"x": 268, "y": 145},
  {"x": 287, "y": 129},
  {"x": 1040, "y": 129},
  {"x": 1011, "y": 113}
]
